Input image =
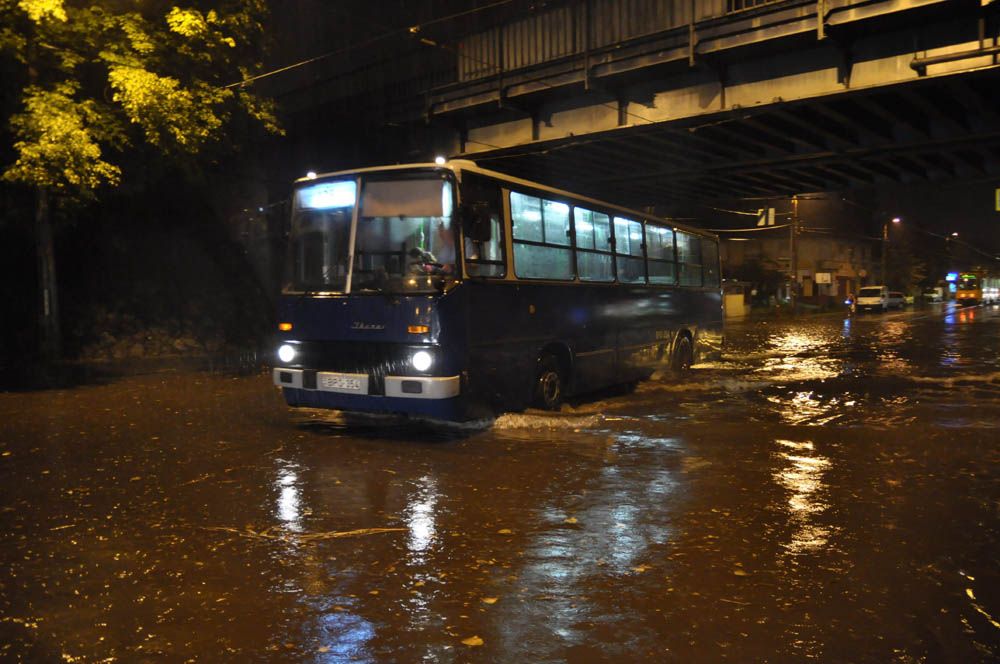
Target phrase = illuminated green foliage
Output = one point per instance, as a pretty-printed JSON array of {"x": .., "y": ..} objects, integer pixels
[
  {"x": 99, "y": 77},
  {"x": 58, "y": 149}
]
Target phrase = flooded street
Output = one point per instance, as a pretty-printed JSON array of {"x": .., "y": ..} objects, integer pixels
[{"x": 829, "y": 490}]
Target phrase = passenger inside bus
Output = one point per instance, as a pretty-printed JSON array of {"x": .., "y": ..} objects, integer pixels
[{"x": 443, "y": 247}]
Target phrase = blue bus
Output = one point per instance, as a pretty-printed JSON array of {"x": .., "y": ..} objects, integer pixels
[{"x": 454, "y": 292}]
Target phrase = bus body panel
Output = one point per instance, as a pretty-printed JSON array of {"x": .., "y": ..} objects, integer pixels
[
  {"x": 369, "y": 318},
  {"x": 608, "y": 335},
  {"x": 445, "y": 409}
]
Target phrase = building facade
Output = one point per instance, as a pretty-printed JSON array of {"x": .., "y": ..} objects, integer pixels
[{"x": 829, "y": 267}]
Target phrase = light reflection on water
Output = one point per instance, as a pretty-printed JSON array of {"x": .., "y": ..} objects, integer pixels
[
  {"x": 613, "y": 531},
  {"x": 421, "y": 519},
  {"x": 345, "y": 636},
  {"x": 801, "y": 354},
  {"x": 289, "y": 506},
  {"x": 802, "y": 473}
]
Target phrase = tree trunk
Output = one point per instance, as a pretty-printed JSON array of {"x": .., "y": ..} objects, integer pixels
[{"x": 50, "y": 342}]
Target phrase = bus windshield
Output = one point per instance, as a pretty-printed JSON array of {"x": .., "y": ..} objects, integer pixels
[
  {"x": 404, "y": 241},
  {"x": 968, "y": 282}
]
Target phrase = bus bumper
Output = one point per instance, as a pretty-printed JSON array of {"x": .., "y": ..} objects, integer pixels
[{"x": 434, "y": 396}]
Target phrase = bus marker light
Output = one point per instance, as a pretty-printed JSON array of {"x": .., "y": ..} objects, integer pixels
[
  {"x": 418, "y": 329},
  {"x": 285, "y": 327}
]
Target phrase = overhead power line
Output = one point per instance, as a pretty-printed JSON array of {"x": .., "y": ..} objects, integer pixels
[
  {"x": 414, "y": 30},
  {"x": 747, "y": 230}
]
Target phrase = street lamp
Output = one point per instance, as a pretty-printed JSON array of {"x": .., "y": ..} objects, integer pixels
[{"x": 885, "y": 246}]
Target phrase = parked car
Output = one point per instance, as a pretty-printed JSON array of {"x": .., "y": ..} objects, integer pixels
[
  {"x": 897, "y": 300},
  {"x": 934, "y": 294},
  {"x": 872, "y": 298}
]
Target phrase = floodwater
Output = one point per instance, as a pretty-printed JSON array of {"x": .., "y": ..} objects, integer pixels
[{"x": 828, "y": 491}]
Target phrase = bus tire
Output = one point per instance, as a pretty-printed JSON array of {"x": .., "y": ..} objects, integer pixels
[
  {"x": 549, "y": 384},
  {"x": 683, "y": 355}
]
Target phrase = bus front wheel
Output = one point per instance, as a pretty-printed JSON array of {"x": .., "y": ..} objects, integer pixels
[
  {"x": 683, "y": 355},
  {"x": 549, "y": 384}
]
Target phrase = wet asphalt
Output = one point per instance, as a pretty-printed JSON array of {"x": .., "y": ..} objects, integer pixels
[{"x": 827, "y": 491}]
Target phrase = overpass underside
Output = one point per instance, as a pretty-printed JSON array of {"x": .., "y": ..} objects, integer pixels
[{"x": 775, "y": 99}]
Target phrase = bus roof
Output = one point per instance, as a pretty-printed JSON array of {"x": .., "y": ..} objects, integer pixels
[{"x": 456, "y": 166}]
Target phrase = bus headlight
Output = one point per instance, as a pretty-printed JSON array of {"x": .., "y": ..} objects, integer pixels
[
  {"x": 286, "y": 353},
  {"x": 421, "y": 360}
]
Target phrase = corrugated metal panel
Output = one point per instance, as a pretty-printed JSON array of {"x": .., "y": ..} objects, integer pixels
[
  {"x": 541, "y": 38},
  {"x": 560, "y": 32},
  {"x": 705, "y": 9},
  {"x": 477, "y": 56},
  {"x": 740, "y": 5},
  {"x": 614, "y": 21}
]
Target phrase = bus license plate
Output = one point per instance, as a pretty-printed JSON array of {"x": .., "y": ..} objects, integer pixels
[{"x": 342, "y": 383}]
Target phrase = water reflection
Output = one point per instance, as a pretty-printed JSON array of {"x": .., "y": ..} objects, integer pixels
[
  {"x": 345, "y": 637},
  {"x": 802, "y": 473},
  {"x": 289, "y": 508},
  {"x": 887, "y": 342},
  {"x": 811, "y": 408},
  {"x": 802, "y": 354},
  {"x": 420, "y": 518},
  {"x": 614, "y": 528}
]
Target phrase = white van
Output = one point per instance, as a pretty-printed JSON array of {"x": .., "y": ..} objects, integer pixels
[{"x": 872, "y": 298}]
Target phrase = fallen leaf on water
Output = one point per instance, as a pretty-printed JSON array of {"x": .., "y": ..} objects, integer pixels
[
  {"x": 419, "y": 583},
  {"x": 473, "y": 641},
  {"x": 489, "y": 600},
  {"x": 505, "y": 531},
  {"x": 571, "y": 519},
  {"x": 322, "y": 649},
  {"x": 740, "y": 572},
  {"x": 641, "y": 568}
]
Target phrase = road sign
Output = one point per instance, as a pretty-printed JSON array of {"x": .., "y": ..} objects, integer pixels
[{"x": 765, "y": 216}]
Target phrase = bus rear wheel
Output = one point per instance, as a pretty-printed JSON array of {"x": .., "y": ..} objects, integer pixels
[
  {"x": 683, "y": 355},
  {"x": 549, "y": 384}
]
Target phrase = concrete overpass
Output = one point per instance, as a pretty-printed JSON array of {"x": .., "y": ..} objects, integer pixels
[{"x": 646, "y": 101}]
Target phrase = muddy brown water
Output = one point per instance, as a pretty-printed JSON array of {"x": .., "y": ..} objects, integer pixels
[{"x": 828, "y": 491}]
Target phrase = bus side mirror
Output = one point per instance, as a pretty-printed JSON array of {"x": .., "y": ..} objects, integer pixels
[{"x": 476, "y": 222}]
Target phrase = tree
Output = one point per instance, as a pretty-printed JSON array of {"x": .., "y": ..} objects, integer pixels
[
  {"x": 98, "y": 80},
  {"x": 906, "y": 271}
]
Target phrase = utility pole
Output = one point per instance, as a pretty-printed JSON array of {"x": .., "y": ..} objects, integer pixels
[
  {"x": 793, "y": 255},
  {"x": 885, "y": 247}
]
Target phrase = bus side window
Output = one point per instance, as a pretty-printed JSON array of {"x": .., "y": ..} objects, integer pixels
[
  {"x": 689, "y": 258},
  {"x": 629, "y": 251},
  {"x": 660, "y": 254},
  {"x": 593, "y": 245},
  {"x": 710, "y": 262},
  {"x": 540, "y": 230},
  {"x": 484, "y": 258}
]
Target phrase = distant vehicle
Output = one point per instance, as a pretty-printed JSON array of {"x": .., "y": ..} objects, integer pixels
[
  {"x": 974, "y": 288},
  {"x": 872, "y": 298},
  {"x": 934, "y": 294},
  {"x": 897, "y": 300}
]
